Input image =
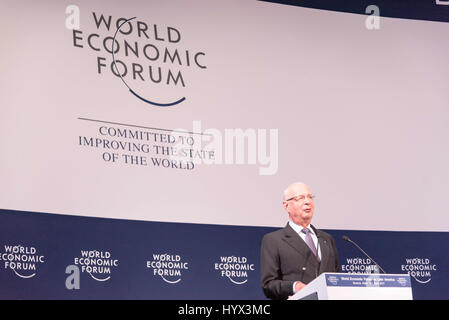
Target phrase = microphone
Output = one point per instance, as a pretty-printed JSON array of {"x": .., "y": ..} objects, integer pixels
[{"x": 346, "y": 238}]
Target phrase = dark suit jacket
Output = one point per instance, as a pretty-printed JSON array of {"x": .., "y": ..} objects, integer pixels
[{"x": 286, "y": 258}]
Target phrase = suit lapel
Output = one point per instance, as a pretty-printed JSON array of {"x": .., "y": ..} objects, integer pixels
[
  {"x": 324, "y": 247},
  {"x": 296, "y": 242}
]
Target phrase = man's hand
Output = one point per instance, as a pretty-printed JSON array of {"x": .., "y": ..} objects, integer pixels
[{"x": 299, "y": 285}]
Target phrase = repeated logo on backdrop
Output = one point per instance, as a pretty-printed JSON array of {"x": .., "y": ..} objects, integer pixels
[
  {"x": 23, "y": 261},
  {"x": 98, "y": 264},
  {"x": 420, "y": 269},
  {"x": 169, "y": 267},
  {"x": 112, "y": 271},
  {"x": 236, "y": 269},
  {"x": 359, "y": 265}
]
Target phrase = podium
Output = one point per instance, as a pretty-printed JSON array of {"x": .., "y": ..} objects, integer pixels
[{"x": 350, "y": 286}]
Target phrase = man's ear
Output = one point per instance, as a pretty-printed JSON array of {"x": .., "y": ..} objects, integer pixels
[{"x": 284, "y": 204}]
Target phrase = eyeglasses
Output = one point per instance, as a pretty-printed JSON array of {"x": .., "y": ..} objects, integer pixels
[{"x": 302, "y": 197}]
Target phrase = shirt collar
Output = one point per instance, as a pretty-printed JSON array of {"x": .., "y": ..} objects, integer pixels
[{"x": 298, "y": 228}]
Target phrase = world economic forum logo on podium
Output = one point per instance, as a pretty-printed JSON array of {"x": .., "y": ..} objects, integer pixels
[
  {"x": 152, "y": 61},
  {"x": 403, "y": 281},
  {"x": 333, "y": 280}
]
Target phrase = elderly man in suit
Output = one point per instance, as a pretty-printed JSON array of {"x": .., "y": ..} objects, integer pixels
[{"x": 295, "y": 255}]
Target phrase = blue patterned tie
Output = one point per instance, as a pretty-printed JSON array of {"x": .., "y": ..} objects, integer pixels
[{"x": 310, "y": 243}]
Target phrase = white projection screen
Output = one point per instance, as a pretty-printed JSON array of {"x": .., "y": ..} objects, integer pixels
[{"x": 260, "y": 95}]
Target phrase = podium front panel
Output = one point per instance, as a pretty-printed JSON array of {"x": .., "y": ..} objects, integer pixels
[{"x": 342, "y": 286}]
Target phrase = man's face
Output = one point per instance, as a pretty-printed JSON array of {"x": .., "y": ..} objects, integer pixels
[{"x": 299, "y": 204}]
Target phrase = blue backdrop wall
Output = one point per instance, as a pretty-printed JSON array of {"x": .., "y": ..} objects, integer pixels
[{"x": 50, "y": 256}]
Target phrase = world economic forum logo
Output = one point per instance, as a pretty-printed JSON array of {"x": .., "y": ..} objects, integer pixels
[
  {"x": 24, "y": 261},
  {"x": 98, "y": 264},
  {"x": 359, "y": 265},
  {"x": 236, "y": 269},
  {"x": 420, "y": 269},
  {"x": 152, "y": 61},
  {"x": 169, "y": 267}
]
